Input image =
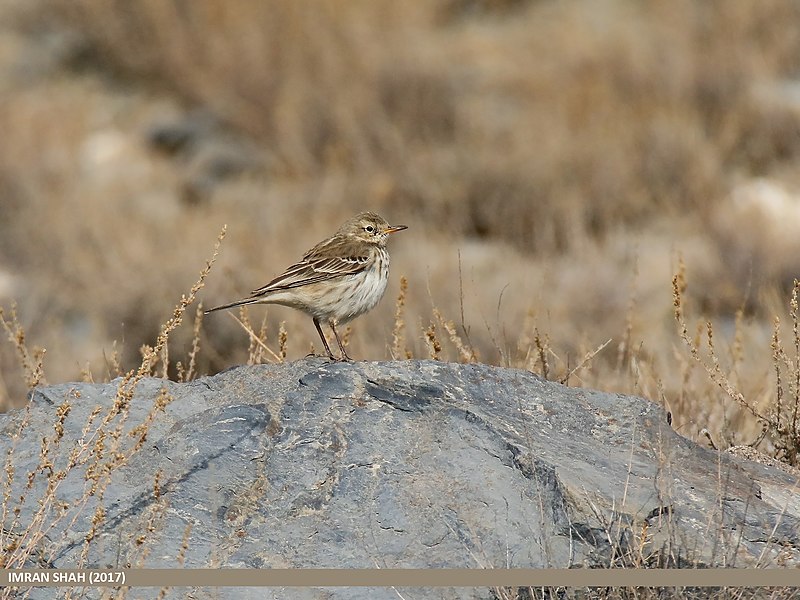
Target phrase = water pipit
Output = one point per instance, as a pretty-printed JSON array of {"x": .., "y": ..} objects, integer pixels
[{"x": 336, "y": 281}]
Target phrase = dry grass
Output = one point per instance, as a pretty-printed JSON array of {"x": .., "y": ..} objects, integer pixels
[
  {"x": 553, "y": 160},
  {"x": 107, "y": 442}
]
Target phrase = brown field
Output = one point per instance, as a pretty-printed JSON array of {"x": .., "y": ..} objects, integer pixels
[{"x": 570, "y": 172}]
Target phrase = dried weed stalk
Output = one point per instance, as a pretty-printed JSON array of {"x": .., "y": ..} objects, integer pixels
[
  {"x": 257, "y": 342},
  {"x": 432, "y": 342},
  {"x": 712, "y": 363},
  {"x": 101, "y": 449},
  {"x": 465, "y": 351},
  {"x": 779, "y": 420},
  {"x": 32, "y": 361},
  {"x": 398, "y": 348}
]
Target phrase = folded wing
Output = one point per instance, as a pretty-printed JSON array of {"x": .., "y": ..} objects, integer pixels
[{"x": 314, "y": 268}]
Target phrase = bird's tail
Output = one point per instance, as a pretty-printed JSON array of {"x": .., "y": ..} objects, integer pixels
[{"x": 232, "y": 305}]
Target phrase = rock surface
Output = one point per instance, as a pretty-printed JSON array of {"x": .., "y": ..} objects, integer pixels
[{"x": 394, "y": 465}]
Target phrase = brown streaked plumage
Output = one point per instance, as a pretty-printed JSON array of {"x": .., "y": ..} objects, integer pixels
[{"x": 336, "y": 281}]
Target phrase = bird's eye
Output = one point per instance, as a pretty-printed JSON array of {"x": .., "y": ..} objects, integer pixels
[{"x": 369, "y": 229}]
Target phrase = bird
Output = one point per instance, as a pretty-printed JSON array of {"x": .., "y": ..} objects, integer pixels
[{"x": 339, "y": 279}]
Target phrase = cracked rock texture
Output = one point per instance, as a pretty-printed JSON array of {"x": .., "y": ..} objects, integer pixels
[{"x": 396, "y": 465}]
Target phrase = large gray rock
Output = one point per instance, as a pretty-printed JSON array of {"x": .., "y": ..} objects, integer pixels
[{"x": 396, "y": 465}]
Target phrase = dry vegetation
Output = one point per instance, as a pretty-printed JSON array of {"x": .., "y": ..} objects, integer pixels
[{"x": 558, "y": 163}]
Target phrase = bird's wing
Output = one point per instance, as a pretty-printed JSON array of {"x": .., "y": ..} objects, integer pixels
[{"x": 316, "y": 266}]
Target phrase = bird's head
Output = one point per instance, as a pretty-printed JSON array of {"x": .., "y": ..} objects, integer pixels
[{"x": 369, "y": 227}]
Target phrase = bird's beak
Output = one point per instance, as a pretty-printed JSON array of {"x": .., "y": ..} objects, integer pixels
[{"x": 395, "y": 228}]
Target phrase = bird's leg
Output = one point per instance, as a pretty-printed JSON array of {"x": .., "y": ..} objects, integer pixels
[
  {"x": 324, "y": 341},
  {"x": 339, "y": 341}
]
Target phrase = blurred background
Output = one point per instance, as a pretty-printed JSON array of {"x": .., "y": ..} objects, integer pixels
[{"x": 554, "y": 161}]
